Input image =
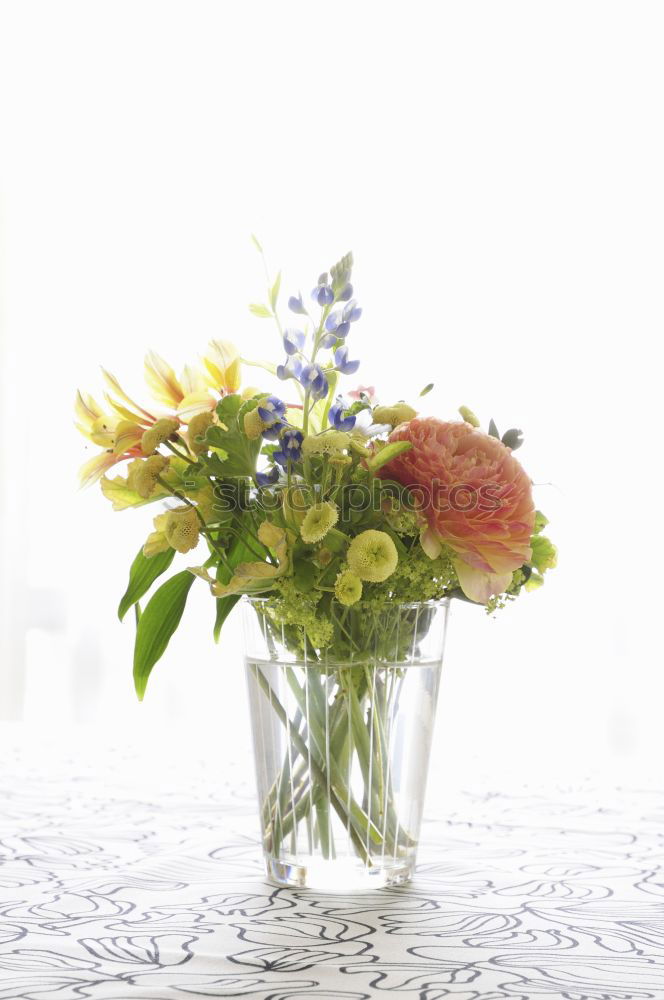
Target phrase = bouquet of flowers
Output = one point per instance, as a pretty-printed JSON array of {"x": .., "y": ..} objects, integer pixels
[{"x": 328, "y": 504}]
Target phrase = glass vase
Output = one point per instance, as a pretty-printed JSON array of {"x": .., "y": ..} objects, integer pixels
[{"x": 342, "y": 736}]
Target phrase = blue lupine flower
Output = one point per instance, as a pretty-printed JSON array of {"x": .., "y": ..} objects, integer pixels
[
  {"x": 295, "y": 304},
  {"x": 342, "y": 363},
  {"x": 291, "y": 369},
  {"x": 272, "y": 433},
  {"x": 346, "y": 294},
  {"x": 352, "y": 311},
  {"x": 337, "y": 324},
  {"x": 328, "y": 340},
  {"x": 313, "y": 378},
  {"x": 322, "y": 293},
  {"x": 291, "y": 447},
  {"x": 268, "y": 478},
  {"x": 271, "y": 409},
  {"x": 339, "y": 416},
  {"x": 293, "y": 341}
]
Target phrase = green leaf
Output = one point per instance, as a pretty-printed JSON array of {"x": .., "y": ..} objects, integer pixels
[
  {"x": 117, "y": 491},
  {"x": 239, "y": 453},
  {"x": 224, "y": 607},
  {"x": 304, "y": 575},
  {"x": 387, "y": 453},
  {"x": 256, "y": 243},
  {"x": 427, "y": 389},
  {"x": 513, "y": 438},
  {"x": 493, "y": 430},
  {"x": 228, "y": 409},
  {"x": 256, "y": 309},
  {"x": 237, "y": 553},
  {"x": 157, "y": 624},
  {"x": 143, "y": 573},
  {"x": 274, "y": 291},
  {"x": 545, "y": 554}
]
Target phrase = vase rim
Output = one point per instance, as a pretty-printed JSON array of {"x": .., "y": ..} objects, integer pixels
[{"x": 441, "y": 602}]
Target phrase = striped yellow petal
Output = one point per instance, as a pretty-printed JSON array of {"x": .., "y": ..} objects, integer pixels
[
  {"x": 162, "y": 380},
  {"x": 115, "y": 386}
]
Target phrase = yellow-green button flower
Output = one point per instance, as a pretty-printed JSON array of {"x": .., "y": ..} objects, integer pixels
[
  {"x": 372, "y": 555},
  {"x": 182, "y": 529},
  {"x": 317, "y": 522},
  {"x": 142, "y": 474},
  {"x": 198, "y": 426},
  {"x": 158, "y": 433},
  {"x": 348, "y": 588}
]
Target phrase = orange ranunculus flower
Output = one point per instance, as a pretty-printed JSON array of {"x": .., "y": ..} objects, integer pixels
[{"x": 475, "y": 496}]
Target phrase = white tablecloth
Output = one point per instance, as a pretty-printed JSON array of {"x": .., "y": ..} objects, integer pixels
[{"x": 112, "y": 892}]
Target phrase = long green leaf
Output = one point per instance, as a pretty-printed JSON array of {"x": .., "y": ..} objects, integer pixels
[
  {"x": 224, "y": 607},
  {"x": 157, "y": 624},
  {"x": 238, "y": 553},
  {"x": 142, "y": 575}
]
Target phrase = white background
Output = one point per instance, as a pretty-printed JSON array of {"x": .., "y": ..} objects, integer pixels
[{"x": 497, "y": 169}]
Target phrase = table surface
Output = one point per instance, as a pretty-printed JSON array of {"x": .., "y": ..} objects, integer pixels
[{"x": 111, "y": 890}]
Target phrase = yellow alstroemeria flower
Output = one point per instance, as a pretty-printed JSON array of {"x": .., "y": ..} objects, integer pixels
[
  {"x": 223, "y": 365},
  {"x": 119, "y": 432},
  {"x": 187, "y": 395},
  {"x": 127, "y": 409},
  {"x": 92, "y": 422},
  {"x": 118, "y": 437}
]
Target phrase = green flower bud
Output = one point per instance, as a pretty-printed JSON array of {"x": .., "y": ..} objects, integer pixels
[{"x": 468, "y": 415}]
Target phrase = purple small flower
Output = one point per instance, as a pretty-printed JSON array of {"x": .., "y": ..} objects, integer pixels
[
  {"x": 336, "y": 324},
  {"x": 342, "y": 363},
  {"x": 271, "y": 409},
  {"x": 313, "y": 378},
  {"x": 347, "y": 293},
  {"x": 291, "y": 369},
  {"x": 293, "y": 341},
  {"x": 272, "y": 433},
  {"x": 328, "y": 340},
  {"x": 268, "y": 478},
  {"x": 352, "y": 312},
  {"x": 291, "y": 447},
  {"x": 295, "y": 304},
  {"x": 339, "y": 416},
  {"x": 323, "y": 294}
]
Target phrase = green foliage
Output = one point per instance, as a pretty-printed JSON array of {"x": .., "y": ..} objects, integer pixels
[
  {"x": 263, "y": 312},
  {"x": 236, "y": 453},
  {"x": 274, "y": 291},
  {"x": 143, "y": 573},
  {"x": 156, "y": 626},
  {"x": 544, "y": 555},
  {"x": 238, "y": 552}
]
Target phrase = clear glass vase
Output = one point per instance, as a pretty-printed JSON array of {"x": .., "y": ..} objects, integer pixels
[{"x": 342, "y": 737}]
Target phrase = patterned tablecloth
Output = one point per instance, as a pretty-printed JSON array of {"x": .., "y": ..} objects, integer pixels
[{"x": 112, "y": 892}]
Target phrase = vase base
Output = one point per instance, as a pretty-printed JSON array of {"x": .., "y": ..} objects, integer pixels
[{"x": 337, "y": 875}]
